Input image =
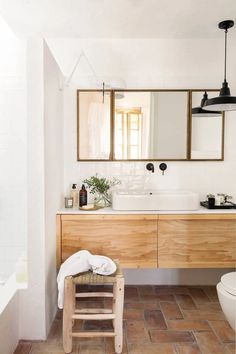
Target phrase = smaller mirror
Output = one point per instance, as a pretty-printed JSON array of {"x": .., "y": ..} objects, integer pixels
[
  {"x": 93, "y": 124},
  {"x": 207, "y": 132}
]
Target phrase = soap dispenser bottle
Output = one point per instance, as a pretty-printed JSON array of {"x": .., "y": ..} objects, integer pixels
[
  {"x": 75, "y": 195},
  {"x": 82, "y": 196}
]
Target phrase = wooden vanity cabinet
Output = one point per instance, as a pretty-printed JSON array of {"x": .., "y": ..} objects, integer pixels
[
  {"x": 130, "y": 238},
  {"x": 197, "y": 241},
  {"x": 150, "y": 241}
]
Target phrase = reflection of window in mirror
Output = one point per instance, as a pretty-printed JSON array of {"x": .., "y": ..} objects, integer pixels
[
  {"x": 128, "y": 133},
  {"x": 93, "y": 125},
  {"x": 207, "y": 132},
  {"x": 155, "y": 129}
]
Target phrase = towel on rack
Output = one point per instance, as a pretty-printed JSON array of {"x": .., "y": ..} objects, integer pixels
[{"x": 80, "y": 262}]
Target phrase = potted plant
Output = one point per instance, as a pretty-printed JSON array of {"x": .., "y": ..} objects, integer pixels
[{"x": 100, "y": 187}]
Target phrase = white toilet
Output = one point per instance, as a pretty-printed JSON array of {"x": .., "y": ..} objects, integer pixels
[{"x": 226, "y": 290}]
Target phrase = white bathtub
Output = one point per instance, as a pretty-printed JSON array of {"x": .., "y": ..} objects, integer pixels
[{"x": 9, "y": 320}]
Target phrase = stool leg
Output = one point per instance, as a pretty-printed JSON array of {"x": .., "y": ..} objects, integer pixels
[
  {"x": 118, "y": 291},
  {"x": 68, "y": 310}
]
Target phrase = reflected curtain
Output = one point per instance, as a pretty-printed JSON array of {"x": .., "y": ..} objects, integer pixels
[
  {"x": 153, "y": 148},
  {"x": 99, "y": 130}
]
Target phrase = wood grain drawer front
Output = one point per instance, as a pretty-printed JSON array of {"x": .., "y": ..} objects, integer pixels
[
  {"x": 130, "y": 238},
  {"x": 199, "y": 242}
]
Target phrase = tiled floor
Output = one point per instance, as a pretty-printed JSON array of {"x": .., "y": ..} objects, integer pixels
[{"x": 157, "y": 319}]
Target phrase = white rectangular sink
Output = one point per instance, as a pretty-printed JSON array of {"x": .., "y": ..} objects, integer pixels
[{"x": 155, "y": 200}]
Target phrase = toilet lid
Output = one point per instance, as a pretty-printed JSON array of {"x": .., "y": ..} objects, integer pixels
[{"x": 229, "y": 282}]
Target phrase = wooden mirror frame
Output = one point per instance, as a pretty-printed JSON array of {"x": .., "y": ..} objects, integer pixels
[{"x": 189, "y": 125}]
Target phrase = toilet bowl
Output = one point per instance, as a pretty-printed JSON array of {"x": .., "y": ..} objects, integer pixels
[{"x": 226, "y": 290}]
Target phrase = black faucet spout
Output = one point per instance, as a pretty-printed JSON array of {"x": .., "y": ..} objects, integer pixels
[{"x": 150, "y": 167}]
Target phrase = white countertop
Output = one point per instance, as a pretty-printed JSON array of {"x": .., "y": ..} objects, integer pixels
[{"x": 201, "y": 210}]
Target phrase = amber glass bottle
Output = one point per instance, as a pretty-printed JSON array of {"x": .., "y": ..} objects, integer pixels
[{"x": 82, "y": 196}]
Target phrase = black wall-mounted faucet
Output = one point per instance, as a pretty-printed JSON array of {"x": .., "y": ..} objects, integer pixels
[
  {"x": 163, "y": 167},
  {"x": 150, "y": 167}
]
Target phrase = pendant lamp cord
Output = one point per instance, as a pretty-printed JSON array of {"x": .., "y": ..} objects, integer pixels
[
  {"x": 226, "y": 31},
  {"x": 103, "y": 91}
]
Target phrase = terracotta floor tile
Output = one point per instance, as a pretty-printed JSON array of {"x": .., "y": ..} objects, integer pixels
[
  {"x": 46, "y": 351},
  {"x": 223, "y": 331},
  {"x": 165, "y": 297},
  {"x": 210, "y": 306},
  {"x": 78, "y": 325},
  {"x": 104, "y": 288},
  {"x": 211, "y": 292},
  {"x": 23, "y": 348},
  {"x": 89, "y": 304},
  {"x": 188, "y": 325},
  {"x": 146, "y": 289},
  {"x": 171, "y": 289},
  {"x": 183, "y": 348},
  {"x": 49, "y": 348},
  {"x": 148, "y": 297},
  {"x": 108, "y": 302},
  {"x": 230, "y": 348},
  {"x": 133, "y": 314},
  {"x": 170, "y": 310},
  {"x": 171, "y": 336},
  {"x": 209, "y": 343},
  {"x": 59, "y": 315},
  {"x": 198, "y": 295},
  {"x": 91, "y": 349},
  {"x": 55, "y": 333},
  {"x": 157, "y": 297},
  {"x": 203, "y": 315},
  {"x": 109, "y": 346},
  {"x": 131, "y": 293},
  {"x": 105, "y": 325},
  {"x": 137, "y": 332},
  {"x": 154, "y": 319},
  {"x": 153, "y": 324},
  {"x": 151, "y": 349},
  {"x": 185, "y": 301},
  {"x": 143, "y": 305}
]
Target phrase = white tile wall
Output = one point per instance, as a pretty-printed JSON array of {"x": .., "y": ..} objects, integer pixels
[{"x": 13, "y": 146}]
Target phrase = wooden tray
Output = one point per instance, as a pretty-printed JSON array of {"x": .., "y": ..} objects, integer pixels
[{"x": 89, "y": 207}]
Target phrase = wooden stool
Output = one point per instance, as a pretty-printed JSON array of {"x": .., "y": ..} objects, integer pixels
[{"x": 70, "y": 313}]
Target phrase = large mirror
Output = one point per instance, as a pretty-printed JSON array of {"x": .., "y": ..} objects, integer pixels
[
  {"x": 150, "y": 125},
  {"x": 207, "y": 131},
  {"x": 125, "y": 125}
]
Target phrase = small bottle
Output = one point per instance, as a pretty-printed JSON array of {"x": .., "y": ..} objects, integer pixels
[
  {"x": 68, "y": 202},
  {"x": 75, "y": 195},
  {"x": 220, "y": 199},
  {"x": 82, "y": 196}
]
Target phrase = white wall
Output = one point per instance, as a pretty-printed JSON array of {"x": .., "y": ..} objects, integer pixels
[
  {"x": 159, "y": 64},
  {"x": 151, "y": 63},
  {"x": 38, "y": 302},
  {"x": 53, "y": 154},
  {"x": 32, "y": 301},
  {"x": 12, "y": 149}
]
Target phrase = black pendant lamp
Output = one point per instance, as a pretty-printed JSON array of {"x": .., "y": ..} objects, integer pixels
[
  {"x": 224, "y": 102},
  {"x": 200, "y": 112}
]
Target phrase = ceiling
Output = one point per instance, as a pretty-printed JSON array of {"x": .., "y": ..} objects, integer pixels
[{"x": 118, "y": 18}]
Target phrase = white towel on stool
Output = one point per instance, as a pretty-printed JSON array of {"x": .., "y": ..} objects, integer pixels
[{"x": 80, "y": 262}]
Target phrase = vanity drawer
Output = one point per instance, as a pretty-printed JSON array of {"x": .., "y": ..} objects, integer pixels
[
  {"x": 130, "y": 238},
  {"x": 196, "y": 241}
]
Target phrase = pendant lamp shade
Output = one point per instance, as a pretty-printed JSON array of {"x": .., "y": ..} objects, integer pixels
[
  {"x": 201, "y": 112},
  {"x": 224, "y": 102}
]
